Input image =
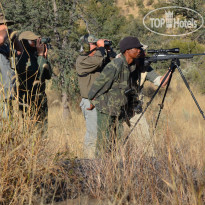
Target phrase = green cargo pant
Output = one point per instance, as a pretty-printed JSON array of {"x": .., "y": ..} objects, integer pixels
[{"x": 109, "y": 133}]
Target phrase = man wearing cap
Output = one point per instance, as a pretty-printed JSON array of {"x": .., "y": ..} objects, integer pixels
[
  {"x": 109, "y": 93},
  {"x": 7, "y": 56},
  {"x": 33, "y": 69},
  {"x": 94, "y": 56},
  {"x": 139, "y": 74}
]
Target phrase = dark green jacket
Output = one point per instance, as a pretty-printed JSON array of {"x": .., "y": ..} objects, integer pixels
[
  {"x": 32, "y": 72},
  {"x": 108, "y": 90}
]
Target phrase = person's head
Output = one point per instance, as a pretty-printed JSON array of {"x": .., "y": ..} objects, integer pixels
[
  {"x": 131, "y": 48},
  {"x": 29, "y": 39},
  {"x": 3, "y": 28},
  {"x": 88, "y": 43}
]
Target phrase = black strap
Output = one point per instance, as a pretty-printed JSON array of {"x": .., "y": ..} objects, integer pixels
[
  {"x": 88, "y": 53},
  {"x": 84, "y": 75}
]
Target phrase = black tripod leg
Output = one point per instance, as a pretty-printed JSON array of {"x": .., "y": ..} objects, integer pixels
[
  {"x": 148, "y": 104},
  {"x": 162, "y": 104},
  {"x": 187, "y": 85}
]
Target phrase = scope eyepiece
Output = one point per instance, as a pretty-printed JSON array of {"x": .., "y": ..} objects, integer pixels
[{"x": 172, "y": 50}]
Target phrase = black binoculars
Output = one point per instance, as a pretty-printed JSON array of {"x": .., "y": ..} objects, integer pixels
[
  {"x": 45, "y": 40},
  {"x": 107, "y": 43}
]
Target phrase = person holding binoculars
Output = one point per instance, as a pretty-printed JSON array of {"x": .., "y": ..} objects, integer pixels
[
  {"x": 95, "y": 54},
  {"x": 33, "y": 69}
]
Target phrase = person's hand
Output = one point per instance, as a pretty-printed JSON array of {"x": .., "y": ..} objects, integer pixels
[
  {"x": 100, "y": 43},
  {"x": 91, "y": 107},
  {"x": 40, "y": 47},
  {"x": 118, "y": 55},
  {"x": 46, "y": 52}
]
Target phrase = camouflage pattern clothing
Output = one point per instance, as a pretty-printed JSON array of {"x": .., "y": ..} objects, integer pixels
[
  {"x": 108, "y": 92},
  {"x": 111, "y": 96},
  {"x": 32, "y": 72}
]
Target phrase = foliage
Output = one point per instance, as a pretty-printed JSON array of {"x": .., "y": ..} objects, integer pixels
[
  {"x": 59, "y": 25},
  {"x": 196, "y": 76},
  {"x": 187, "y": 46},
  {"x": 104, "y": 19},
  {"x": 64, "y": 26}
]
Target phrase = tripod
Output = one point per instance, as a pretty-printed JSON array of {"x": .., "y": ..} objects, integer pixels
[{"x": 171, "y": 71}]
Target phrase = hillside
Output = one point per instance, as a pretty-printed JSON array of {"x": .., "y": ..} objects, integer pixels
[{"x": 132, "y": 7}]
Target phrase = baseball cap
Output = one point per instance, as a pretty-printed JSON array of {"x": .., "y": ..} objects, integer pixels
[
  {"x": 88, "y": 38},
  {"x": 129, "y": 43},
  {"x": 28, "y": 35}
]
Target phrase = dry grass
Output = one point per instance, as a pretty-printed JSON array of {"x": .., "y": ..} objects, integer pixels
[
  {"x": 40, "y": 169},
  {"x": 174, "y": 176},
  {"x": 65, "y": 135}
]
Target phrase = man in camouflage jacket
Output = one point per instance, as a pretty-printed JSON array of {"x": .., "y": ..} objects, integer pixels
[
  {"x": 141, "y": 73},
  {"x": 108, "y": 94},
  {"x": 111, "y": 91}
]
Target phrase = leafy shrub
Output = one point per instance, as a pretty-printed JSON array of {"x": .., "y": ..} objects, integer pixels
[{"x": 187, "y": 46}]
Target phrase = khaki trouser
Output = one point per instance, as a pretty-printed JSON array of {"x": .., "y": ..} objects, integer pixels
[{"x": 91, "y": 129}]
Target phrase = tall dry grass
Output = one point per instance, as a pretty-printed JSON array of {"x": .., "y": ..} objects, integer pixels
[
  {"x": 174, "y": 175},
  {"x": 40, "y": 168}
]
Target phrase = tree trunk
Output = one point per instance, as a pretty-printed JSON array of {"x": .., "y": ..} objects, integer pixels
[
  {"x": 66, "y": 111},
  {"x": 64, "y": 96},
  {"x": 57, "y": 35}
]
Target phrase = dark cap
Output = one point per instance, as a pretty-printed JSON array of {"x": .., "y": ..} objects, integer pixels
[
  {"x": 129, "y": 43},
  {"x": 3, "y": 20}
]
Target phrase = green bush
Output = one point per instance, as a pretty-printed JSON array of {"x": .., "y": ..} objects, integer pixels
[
  {"x": 195, "y": 75},
  {"x": 187, "y": 46}
]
